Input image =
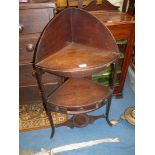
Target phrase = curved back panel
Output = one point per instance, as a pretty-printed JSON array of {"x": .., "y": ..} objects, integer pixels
[
  {"x": 74, "y": 25},
  {"x": 55, "y": 36},
  {"x": 88, "y": 30}
]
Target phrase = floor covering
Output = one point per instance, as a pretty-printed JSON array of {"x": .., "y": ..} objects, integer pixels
[{"x": 33, "y": 141}]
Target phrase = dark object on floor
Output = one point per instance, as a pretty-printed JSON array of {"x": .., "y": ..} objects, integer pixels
[{"x": 75, "y": 51}]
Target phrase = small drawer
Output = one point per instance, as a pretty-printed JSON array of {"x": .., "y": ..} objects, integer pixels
[
  {"x": 121, "y": 31},
  {"x": 31, "y": 94},
  {"x": 27, "y": 76},
  {"x": 27, "y": 44},
  {"x": 34, "y": 20}
]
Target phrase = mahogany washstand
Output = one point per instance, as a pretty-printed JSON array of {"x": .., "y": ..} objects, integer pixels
[{"x": 76, "y": 45}]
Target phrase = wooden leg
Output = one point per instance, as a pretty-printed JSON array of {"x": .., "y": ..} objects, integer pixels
[
  {"x": 115, "y": 65},
  {"x": 107, "y": 111},
  {"x": 51, "y": 122},
  {"x": 38, "y": 74}
]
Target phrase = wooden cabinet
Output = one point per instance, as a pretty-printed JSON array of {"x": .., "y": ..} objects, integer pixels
[
  {"x": 27, "y": 44},
  {"x": 122, "y": 26},
  {"x": 33, "y": 20},
  {"x": 33, "y": 17}
]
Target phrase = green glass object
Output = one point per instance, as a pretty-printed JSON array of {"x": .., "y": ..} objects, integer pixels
[
  {"x": 106, "y": 81},
  {"x": 121, "y": 42},
  {"x": 106, "y": 71},
  {"x": 105, "y": 76}
]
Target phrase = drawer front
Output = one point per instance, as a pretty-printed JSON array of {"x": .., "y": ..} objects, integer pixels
[
  {"x": 31, "y": 94},
  {"x": 34, "y": 20},
  {"x": 27, "y": 45},
  {"x": 121, "y": 31},
  {"x": 27, "y": 77}
]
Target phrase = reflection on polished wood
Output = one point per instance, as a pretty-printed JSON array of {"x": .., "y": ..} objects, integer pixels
[
  {"x": 122, "y": 26},
  {"x": 75, "y": 45},
  {"x": 78, "y": 93},
  {"x": 111, "y": 17},
  {"x": 77, "y": 57}
]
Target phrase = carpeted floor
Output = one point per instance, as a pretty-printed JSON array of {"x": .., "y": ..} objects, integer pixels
[
  {"x": 33, "y": 141},
  {"x": 33, "y": 117}
]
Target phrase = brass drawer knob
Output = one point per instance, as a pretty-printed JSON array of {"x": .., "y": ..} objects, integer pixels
[
  {"x": 33, "y": 73},
  {"x": 21, "y": 28},
  {"x": 30, "y": 47}
]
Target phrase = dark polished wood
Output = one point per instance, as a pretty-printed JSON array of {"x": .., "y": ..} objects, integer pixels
[
  {"x": 27, "y": 76},
  {"x": 124, "y": 6},
  {"x": 79, "y": 95},
  {"x": 80, "y": 120},
  {"x": 34, "y": 20},
  {"x": 111, "y": 17},
  {"x": 105, "y": 5},
  {"x": 81, "y": 47},
  {"x": 33, "y": 17},
  {"x": 122, "y": 26},
  {"x": 30, "y": 93},
  {"x": 26, "y": 53},
  {"x": 131, "y": 7},
  {"x": 89, "y": 52},
  {"x": 77, "y": 60}
]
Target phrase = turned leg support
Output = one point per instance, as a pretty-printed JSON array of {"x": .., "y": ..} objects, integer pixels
[
  {"x": 39, "y": 74},
  {"x": 51, "y": 123},
  {"x": 107, "y": 111},
  {"x": 115, "y": 67}
]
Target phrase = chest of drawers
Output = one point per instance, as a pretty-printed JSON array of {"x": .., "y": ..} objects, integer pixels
[{"x": 33, "y": 17}]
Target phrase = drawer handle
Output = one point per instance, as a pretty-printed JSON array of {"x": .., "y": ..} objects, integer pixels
[
  {"x": 30, "y": 47},
  {"x": 21, "y": 28},
  {"x": 33, "y": 73}
]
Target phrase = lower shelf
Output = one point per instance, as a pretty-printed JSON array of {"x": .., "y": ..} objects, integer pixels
[{"x": 79, "y": 95}]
